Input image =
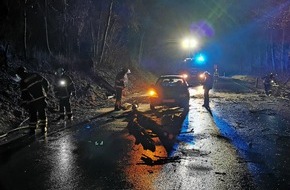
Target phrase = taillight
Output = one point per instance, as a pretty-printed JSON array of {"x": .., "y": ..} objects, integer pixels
[
  {"x": 185, "y": 76},
  {"x": 152, "y": 93}
]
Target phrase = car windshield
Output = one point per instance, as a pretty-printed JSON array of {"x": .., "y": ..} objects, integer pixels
[{"x": 170, "y": 82}]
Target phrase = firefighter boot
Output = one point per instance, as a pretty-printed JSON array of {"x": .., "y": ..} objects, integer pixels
[{"x": 43, "y": 125}]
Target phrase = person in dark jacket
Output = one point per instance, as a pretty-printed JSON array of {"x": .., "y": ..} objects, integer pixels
[
  {"x": 64, "y": 89},
  {"x": 207, "y": 85},
  {"x": 119, "y": 87},
  {"x": 268, "y": 81},
  {"x": 34, "y": 88}
]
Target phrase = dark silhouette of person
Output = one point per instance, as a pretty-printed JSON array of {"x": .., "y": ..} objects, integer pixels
[
  {"x": 64, "y": 89},
  {"x": 216, "y": 75},
  {"x": 207, "y": 85},
  {"x": 119, "y": 87},
  {"x": 268, "y": 80},
  {"x": 34, "y": 88}
]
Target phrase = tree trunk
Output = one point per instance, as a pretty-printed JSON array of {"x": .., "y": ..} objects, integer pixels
[
  {"x": 25, "y": 31},
  {"x": 272, "y": 52},
  {"x": 282, "y": 51},
  {"x": 98, "y": 35},
  {"x": 266, "y": 55},
  {"x": 140, "y": 54},
  {"x": 106, "y": 34},
  {"x": 64, "y": 44},
  {"x": 93, "y": 48},
  {"x": 46, "y": 27}
]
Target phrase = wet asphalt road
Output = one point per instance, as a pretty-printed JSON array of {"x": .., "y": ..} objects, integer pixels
[
  {"x": 102, "y": 155},
  {"x": 82, "y": 157},
  {"x": 262, "y": 138}
]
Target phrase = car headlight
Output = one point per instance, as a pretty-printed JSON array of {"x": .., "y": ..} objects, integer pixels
[{"x": 201, "y": 76}]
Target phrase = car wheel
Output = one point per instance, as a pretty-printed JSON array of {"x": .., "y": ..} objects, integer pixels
[{"x": 152, "y": 107}]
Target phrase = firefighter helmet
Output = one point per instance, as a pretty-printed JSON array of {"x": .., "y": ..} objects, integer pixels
[
  {"x": 124, "y": 70},
  {"x": 60, "y": 71}
]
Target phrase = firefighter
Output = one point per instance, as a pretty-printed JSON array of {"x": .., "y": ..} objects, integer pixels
[
  {"x": 268, "y": 81},
  {"x": 207, "y": 85},
  {"x": 216, "y": 75},
  {"x": 33, "y": 94},
  {"x": 64, "y": 88},
  {"x": 119, "y": 87}
]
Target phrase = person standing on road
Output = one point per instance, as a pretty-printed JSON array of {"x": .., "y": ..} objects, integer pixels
[
  {"x": 33, "y": 94},
  {"x": 126, "y": 82},
  {"x": 216, "y": 75},
  {"x": 119, "y": 87},
  {"x": 268, "y": 81},
  {"x": 64, "y": 89},
  {"x": 207, "y": 85}
]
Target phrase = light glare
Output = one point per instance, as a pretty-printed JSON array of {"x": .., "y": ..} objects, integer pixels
[{"x": 189, "y": 43}]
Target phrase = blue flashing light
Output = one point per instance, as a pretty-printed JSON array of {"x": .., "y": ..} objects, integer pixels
[{"x": 200, "y": 59}]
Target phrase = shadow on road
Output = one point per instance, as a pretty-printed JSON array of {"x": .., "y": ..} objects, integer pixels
[
  {"x": 209, "y": 110},
  {"x": 10, "y": 148}
]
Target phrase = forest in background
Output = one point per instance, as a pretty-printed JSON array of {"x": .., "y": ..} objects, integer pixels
[
  {"x": 94, "y": 39},
  {"x": 251, "y": 36}
]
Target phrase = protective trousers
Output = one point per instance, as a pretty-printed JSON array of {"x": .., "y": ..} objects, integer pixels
[
  {"x": 206, "y": 97},
  {"x": 118, "y": 102},
  {"x": 267, "y": 88},
  {"x": 37, "y": 114},
  {"x": 65, "y": 108}
]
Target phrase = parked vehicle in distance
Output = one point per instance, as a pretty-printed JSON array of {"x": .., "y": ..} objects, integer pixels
[
  {"x": 169, "y": 90},
  {"x": 193, "y": 76}
]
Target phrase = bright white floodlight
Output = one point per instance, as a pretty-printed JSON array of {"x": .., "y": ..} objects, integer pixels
[{"x": 189, "y": 43}]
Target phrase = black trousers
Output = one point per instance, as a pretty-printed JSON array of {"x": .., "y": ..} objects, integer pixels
[
  {"x": 37, "y": 114},
  {"x": 206, "y": 97},
  {"x": 119, "y": 94},
  {"x": 267, "y": 89},
  {"x": 65, "y": 108}
]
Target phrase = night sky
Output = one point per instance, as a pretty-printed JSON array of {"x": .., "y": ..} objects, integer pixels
[{"x": 239, "y": 36}]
